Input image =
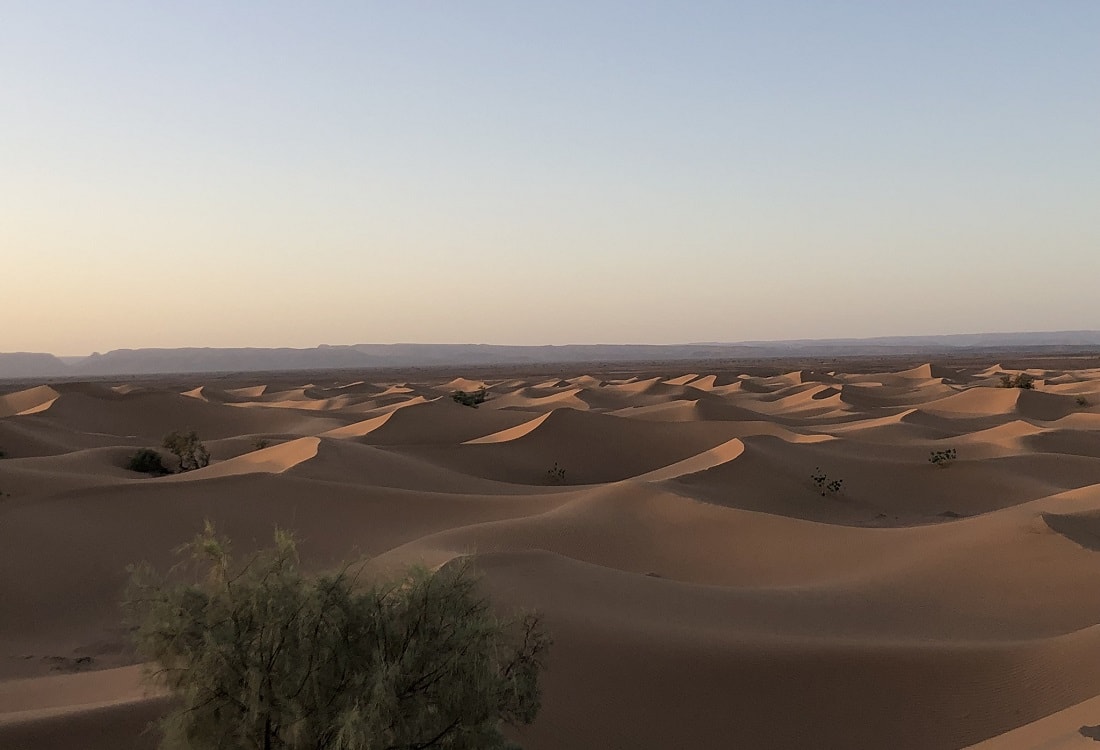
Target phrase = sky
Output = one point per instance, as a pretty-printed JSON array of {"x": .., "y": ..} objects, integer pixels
[{"x": 290, "y": 174}]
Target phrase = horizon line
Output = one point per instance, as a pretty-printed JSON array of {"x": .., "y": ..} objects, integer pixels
[{"x": 740, "y": 342}]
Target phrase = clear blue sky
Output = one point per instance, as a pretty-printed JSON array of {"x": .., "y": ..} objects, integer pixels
[{"x": 271, "y": 173}]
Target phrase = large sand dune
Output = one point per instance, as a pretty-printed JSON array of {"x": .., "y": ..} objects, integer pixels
[{"x": 700, "y": 589}]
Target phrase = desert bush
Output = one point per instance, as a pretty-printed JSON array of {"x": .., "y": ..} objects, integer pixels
[
  {"x": 1080, "y": 401},
  {"x": 825, "y": 485},
  {"x": 147, "y": 461},
  {"x": 943, "y": 458},
  {"x": 261, "y": 656},
  {"x": 1022, "y": 380},
  {"x": 556, "y": 474},
  {"x": 188, "y": 449},
  {"x": 260, "y": 444},
  {"x": 470, "y": 399}
]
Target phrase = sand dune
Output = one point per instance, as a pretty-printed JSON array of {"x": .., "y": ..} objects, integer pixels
[
  {"x": 359, "y": 429},
  {"x": 708, "y": 459},
  {"x": 462, "y": 384},
  {"x": 552, "y": 383},
  {"x": 511, "y": 433},
  {"x": 149, "y": 416},
  {"x": 874, "y": 394},
  {"x": 31, "y": 401},
  {"x": 976, "y": 401},
  {"x": 638, "y": 640},
  {"x": 704, "y": 383},
  {"x": 353, "y": 463},
  {"x": 666, "y": 411},
  {"x": 532, "y": 399},
  {"x": 440, "y": 422},
  {"x": 700, "y": 589},
  {"x": 31, "y": 437},
  {"x": 39, "y": 697},
  {"x": 592, "y": 448},
  {"x": 273, "y": 460}
]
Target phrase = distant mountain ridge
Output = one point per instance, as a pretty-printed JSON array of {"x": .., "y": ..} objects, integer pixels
[
  {"x": 366, "y": 356},
  {"x": 30, "y": 365}
]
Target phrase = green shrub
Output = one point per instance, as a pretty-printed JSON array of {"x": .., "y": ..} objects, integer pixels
[
  {"x": 825, "y": 485},
  {"x": 260, "y": 444},
  {"x": 555, "y": 474},
  {"x": 1022, "y": 380},
  {"x": 1081, "y": 401},
  {"x": 470, "y": 399},
  {"x": 187, "y": 448},
  {"x": 147, "y": 461},
  {"x": 260, "y": 655},
  {"x": 944, "y": 458}
]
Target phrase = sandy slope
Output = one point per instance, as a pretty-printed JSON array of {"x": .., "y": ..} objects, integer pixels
[
  {"x": 700, "y": 589},
  {"x": 1074, "y": 728}
]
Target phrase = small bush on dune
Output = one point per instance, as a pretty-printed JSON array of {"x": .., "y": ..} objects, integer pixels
[
  {"x": 825, "y": 485},
  {"x": 943, "y": 458},
  {"x": 260, "y": 444},
  {"x": 1022, "y": 380},
  {"x": 261, "y": 656},
  {"x": 555, "y": 474},
  {"x": 1080, "y": 401},
  {"x": 186, "y": 446},
  {"x": 147, "y": 461},
  {"x": 470, "y": 399}
]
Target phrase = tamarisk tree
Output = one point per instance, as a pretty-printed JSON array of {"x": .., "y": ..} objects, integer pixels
[{"x": 261, "y": 656}]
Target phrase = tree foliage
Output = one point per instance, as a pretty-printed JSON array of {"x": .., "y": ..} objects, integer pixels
[
  {"x": 147, "y": 461},
  {"x": 556, "y": 474},
  {"x": 471, "y": 399},
  {"x": 825, "y": 485},
  {"x": 187, "y": 447},
  {"x": 943, "y": 458},
  {"x": 263, "y": 657},
  {"x": 1021, "y": 380}
]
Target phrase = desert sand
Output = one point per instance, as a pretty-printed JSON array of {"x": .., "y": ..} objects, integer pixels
[{"x": 701, "y": 590}]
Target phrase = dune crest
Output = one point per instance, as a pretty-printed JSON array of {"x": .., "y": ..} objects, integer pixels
[
  {"x": 359, "y": 429},
  {"x": 31, "y": 401},
  {"x": 708, "y": 459},
  {"x": 512, "y": 433},
  {"x": 273, "y": 460}
]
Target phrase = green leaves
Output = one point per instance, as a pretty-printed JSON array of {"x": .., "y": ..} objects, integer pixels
[
  {"x": 470, "y": 399},
  {"x": 147, "y": 461},
  {"x": 262, "y": 656},
  {"x": 186, "y": 446},
  {"x": 825, "y": 485},
  {"x": 943, "y": 458},
  {"x": 1021, "y": 380}
]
